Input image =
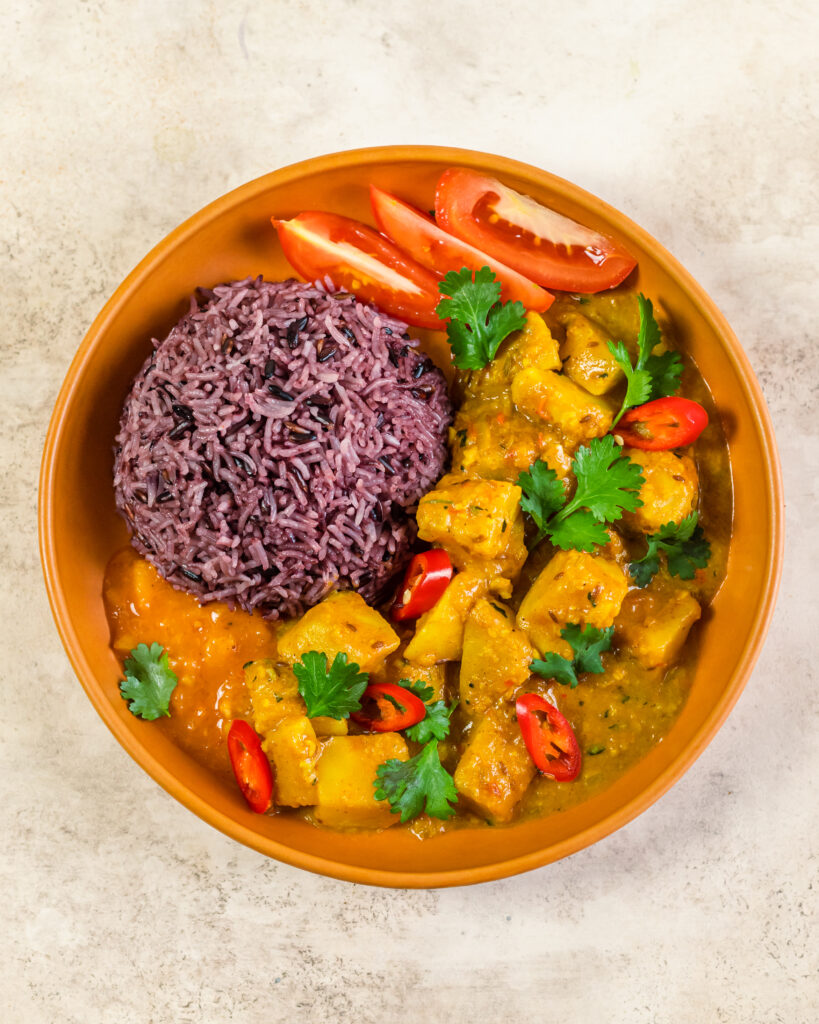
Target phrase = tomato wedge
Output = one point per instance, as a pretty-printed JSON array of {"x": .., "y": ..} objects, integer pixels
[
  {"x": 662, "y": 424},
  {"x": 250, "y": 766},
  {"x": 550, "y": 740},
  {"x": 427, "y": 577},
  {"x": 397, "y": 707},
  {"x": 441, "y": 252},
  {"x": 361, "y": 261},
  {"x": 543, "y": 245}
]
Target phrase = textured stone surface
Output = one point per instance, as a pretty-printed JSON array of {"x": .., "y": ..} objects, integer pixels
[{"x": 117, "y": 121}]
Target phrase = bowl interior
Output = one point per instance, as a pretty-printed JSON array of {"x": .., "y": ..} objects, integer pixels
[{"x": 79, "y": 528}]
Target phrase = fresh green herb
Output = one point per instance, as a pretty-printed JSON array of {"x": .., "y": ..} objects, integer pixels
[
  {"x": 588, "y": 643},
  {"x": 418, "y": 688},
  {"x": 478, "y": 320},
  {"x": 333, "y": 692},
  {"x": 595, "y": 750},
  {"x": 149, "y": 682},
  {"x": 399, "y": 707},
  {"x": 608, "y": 483},
  {"x": 435, "y": 725},
  {"x": 421, "y": 783},
  {"x": 652, "y": 376},
  {"x": 685, "y": 547}
]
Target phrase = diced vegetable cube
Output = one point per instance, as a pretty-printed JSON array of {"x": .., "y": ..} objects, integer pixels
[
  {"x": 556, "y": 399},
  {"x": 575, "y": 586},
  {"x": 342, "y": 622},
  {"x": 653, "y": 624},
  {"x": 274, "y": 694},
  {"x": 669, "y": 492},
  {"x": 475, "y": 521},
  {"x": 495, "y": 769},
  {"x": 533, "y": 346},
  {"x": 439, "y": 634},
  {"x": 346, "y": 777},
  {"x": 325, "y": 726},
  {"x": 293, "y": 751},
  {"x": 496, "y": 654},
  {"x": 586, "y": 356},
  {"x": 398, "y": 668}
]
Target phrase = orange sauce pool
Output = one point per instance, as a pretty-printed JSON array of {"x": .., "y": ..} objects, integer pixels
[{"x": 207, "y": 646}]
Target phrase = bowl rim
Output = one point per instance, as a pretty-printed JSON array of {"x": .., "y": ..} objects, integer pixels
[{"x": 377, "y": 876}]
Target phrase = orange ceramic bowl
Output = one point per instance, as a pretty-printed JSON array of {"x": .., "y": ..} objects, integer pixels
[{"x": 79, "y": 527}]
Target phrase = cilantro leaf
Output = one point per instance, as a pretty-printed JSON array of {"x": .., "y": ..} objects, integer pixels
[
  {"x": 418, "y": 688},
  {"x": 333, "y": 692},
  {"x": 421, "y": 783},
  {"x": 608, "y": 483},
  {"x": 543, "y": 494},
  {"x": 149, "y": 682},
  {"x": 478, "y": 320},
  {"x": 685, "y": 547},
  {"x": 435, "y": 725},
  {"x": 652, "y": 376},
  {"x": 587, "y": 642}
]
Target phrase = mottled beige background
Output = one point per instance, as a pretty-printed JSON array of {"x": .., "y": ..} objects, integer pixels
[{"x": 120, "y": 119}]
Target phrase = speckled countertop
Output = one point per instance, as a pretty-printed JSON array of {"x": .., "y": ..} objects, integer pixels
[{"x": 117, "y": 121}]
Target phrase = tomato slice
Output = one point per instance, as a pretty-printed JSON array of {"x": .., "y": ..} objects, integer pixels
[
  {"x": 250, "y": 766},
  {"x": 441, "y": 252},
  {"x": 427, "y": 577},
  {"x": 397, "y": 708},
  {"x": 550, "y": 740},
  {"x": 361, "y": 261},
  {"x": 540, "y": 243},
  {"x": 662, "y": 424}
]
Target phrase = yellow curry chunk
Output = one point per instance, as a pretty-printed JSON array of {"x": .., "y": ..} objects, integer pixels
[
  {"x": 496, "y": 655},
  {"x": 439, "y": 634},
  {"x": 532, "y": 346},
  {"x": 575, "y": 586},
  {"x": 477, "y": 522},
  {"x": 342, "y": 622},
  {"x": 293, "y": 751},
  {"x": 274, "y": 693},
  {"x": 557, "y": 399},
  {"x": 495, "y": 769},
  {"x": 669, "y": 492},
  {"x": 586, "y": 356},
  {"x": 325, "y": 726},
  {"x": 345, "y": 794},
  {"x": 398, "y": 668},
  {"x": 653, "y": 624}
]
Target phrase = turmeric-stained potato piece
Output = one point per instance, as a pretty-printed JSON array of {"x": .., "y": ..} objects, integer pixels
[
  {"x": 274, "y": 693},
  {"x": 575, "y": 586},
  {"x": 397, "y": 669},
  {"x": 653, "y": 625},
  {"x": 549, "y": 396},
  {"x": 473, "y": 520},
  {"x": 293, "y": 751},
  {"x": 496, "y": 654},
  {"x": 669, "y": 492},
  {"x": 439, "y": 634},
  {"x": 342, "y": 622},
  {"x": 586, "y": 356},
  {"x": 346, "y": 775},
  {"x": 493, "y": 441},
  {"x": 495, "y": 769},
  {"x": 325, "y": 726},
  {"x": 533, "y": 346}
]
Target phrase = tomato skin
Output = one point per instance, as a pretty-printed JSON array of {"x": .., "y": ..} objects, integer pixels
[
  {"x": 426, "y": 578},
  {"x": 662, "y": 424},
  {"x": 543, "y": 245},
  {"x": 250, "y": 766},
  {"x": 391, "y": 720},
  {"x": 361, "y": 261},
  {"x": 441, "y": 252},
  {"x": 552, "y": 744}
]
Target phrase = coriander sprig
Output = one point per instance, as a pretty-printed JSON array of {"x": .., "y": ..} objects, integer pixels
[
  {"x": 685, "y": 547},
  {"x": 333, "y": 692},
  {"x": 588, "y": 643},
  {"x": 478, "y": 320},
  {"x": 149, "y": 682},
  {"x": 419, "y": 784}
]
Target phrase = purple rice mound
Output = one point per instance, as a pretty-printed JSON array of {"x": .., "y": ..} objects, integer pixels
[{"x": 275, "y": 445}]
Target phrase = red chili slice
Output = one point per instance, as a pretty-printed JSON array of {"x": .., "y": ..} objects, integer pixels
[
  {"x": 427, "y": 577},
  {"x": 397, "y": 707},
  {"x": 662, "y": 424},
  {"x": 250, "y": 766},
  {"x": 550, "y": 740}
]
